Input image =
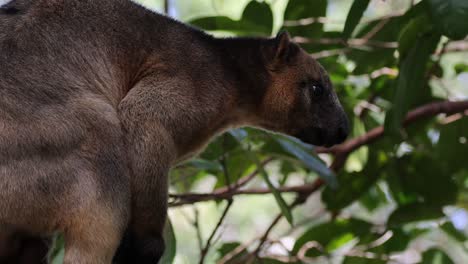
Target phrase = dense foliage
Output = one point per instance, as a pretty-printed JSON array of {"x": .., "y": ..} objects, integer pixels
[{"x": 394, "y": 187}]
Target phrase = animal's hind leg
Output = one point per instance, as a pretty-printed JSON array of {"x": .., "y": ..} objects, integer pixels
[{"x": 94, "y": 238}]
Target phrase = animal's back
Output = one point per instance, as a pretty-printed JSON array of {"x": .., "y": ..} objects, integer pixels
[
  {"x": 40, "y": 85},
  {"x": 60, "y": 62},
  {"x": 58, "y": 93},
  {"x": 65, "y": 65},
  {"x": 54, "y": 49}
]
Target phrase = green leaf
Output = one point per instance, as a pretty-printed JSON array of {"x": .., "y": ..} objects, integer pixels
[
  {"x": 353, "y": 185},
  {"x": 239, "y": 133},
  {"x": 273, "y": 261},
  {"x": 287, "y": 168},
  {"x": 216, "y": 23},
  {"x": 57, "y": 249},
  {"x": 362, "y": 260},
  {"x": 411, "y": 80},
  {"x": 207, "y": 165},
  {"x": 357, "y": 159},
  {"x": 422, "y": 179},
  {"x": 450, "y": 17},
  {"x": 453, "y": 232},
  {"x": 340, "y": 241},
  {"x": 171, "y": 243},
  {"x": 414, "y": 212},
  {"x": 436, "y": 256},
  {"x": 257, "y": 19},
  {"x": 371, "y": 59},
  {"x": 229, "y": 248},
  {"x": 401, "y": 196},
  {"x": 374, "y": 198},
  {"x": 461, "y": 67},
  {"x": 415, "y": 29},
  {"x": 300, "y": 151},
  {"x": 354, "y": 16},
  {"x": 398, "y": 242},
  {"x": 279, "y": 199},
  {"x": 451, "y": 150},
  {"x": 328, "y": 233},
  {"x": 303, "y": 9},
  {"x": 238, "y": 165},
  {"x": 226, "y": 143}
]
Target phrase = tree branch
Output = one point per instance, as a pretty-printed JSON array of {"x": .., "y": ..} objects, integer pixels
[
  {"x": 455, "y": 46},
  {"x": 356, "y": 42},
  {"x": 310, "y": 21},
  {"x": 190, "y": 198},
  {"x": 342, "y": 151},
  {"x": 325, "y": 20},
  {"x": 428, "y": 110}
]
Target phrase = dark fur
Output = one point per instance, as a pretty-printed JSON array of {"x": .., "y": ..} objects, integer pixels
[{"x": 98, "y": 99}]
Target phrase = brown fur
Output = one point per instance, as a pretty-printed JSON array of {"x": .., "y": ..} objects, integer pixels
[{"x": 98, "y": 99}]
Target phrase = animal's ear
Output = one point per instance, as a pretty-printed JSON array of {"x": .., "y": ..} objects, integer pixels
[
  {"x": 283, "y": 49},
  {"x": 282, "y": 42}
]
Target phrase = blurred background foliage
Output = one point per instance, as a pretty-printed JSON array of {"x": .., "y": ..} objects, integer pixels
[{"x": 395, "y": 192}]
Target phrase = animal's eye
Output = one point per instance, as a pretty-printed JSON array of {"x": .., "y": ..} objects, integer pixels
[{"x": 317, "y": 90}]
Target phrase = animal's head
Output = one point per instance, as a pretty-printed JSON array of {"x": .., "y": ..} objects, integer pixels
[{"x": 300, "y": 100}]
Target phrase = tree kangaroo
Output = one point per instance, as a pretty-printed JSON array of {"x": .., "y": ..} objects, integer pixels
[{"x": 98, "y": 99}]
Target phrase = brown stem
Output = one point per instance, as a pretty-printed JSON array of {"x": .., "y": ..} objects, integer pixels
[
  {"x": 205, "y": 250},
  {"x": 341, "y": 151},
  {"x": 428, "y": 110},
  {"x": 190, "y": 198},
  {"x": 357, "y": 42}
]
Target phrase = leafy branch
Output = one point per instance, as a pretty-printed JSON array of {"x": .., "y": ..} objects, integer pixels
[{"x": 224, "y": 193}]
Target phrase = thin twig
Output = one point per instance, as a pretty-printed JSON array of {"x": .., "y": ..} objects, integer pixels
[
  {"x": 376, "y": 29},
  {"x": 254, "y": 255},
  {"x": 457, "y": 46},
  {"x": 325, "y": 20},
  {"x": 330, "y": 53},
  {"x": 227, "y": 189},
  {"x": 355, "y": 42},
  {"x": 236, "y": 251},
  {"x": 310, "y": 21},
  {"x": 460, "y": 46},
  {"x": 205, "y": 250},
  {"x": 196, "y": 224},
  {"x": 264, "y": 238}
]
